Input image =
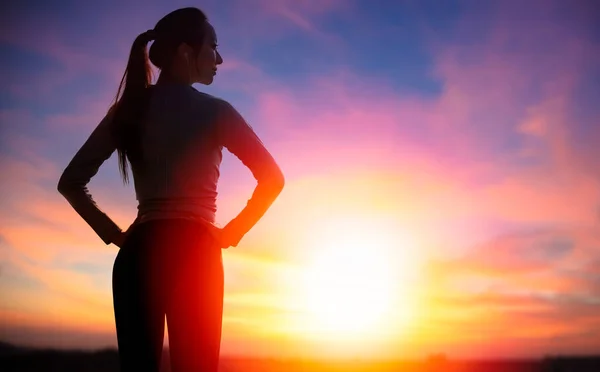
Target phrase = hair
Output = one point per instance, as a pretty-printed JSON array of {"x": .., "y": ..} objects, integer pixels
[{"x": 183, "y": 25}]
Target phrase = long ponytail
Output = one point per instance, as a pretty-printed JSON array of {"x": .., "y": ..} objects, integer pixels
[{"x": 131, "y": 102}]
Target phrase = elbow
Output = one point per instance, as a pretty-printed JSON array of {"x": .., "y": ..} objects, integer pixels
[
  {"x": 61, "y": 186},
  {"x": 279, "y": 182},
  {"x": 274, "y": 182},
  {"x": 64, "y": 185}
]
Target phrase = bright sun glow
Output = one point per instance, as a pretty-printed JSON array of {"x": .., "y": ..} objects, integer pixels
[{"x": 352, "y": 282}]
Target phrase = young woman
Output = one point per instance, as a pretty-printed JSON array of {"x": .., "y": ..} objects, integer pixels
[{"x": 169, "y": 262}]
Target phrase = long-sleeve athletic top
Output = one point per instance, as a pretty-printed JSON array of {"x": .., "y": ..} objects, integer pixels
[{"x": 182, "y": 137}]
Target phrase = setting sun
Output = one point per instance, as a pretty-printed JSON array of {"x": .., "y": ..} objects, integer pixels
[{"x": 352, "y": 282}]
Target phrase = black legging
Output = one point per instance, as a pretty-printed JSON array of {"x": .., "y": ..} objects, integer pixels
[{"x": 168, "y": 268}]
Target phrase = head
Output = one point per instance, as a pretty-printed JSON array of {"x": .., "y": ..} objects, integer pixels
[{"x": 184, "y": 49}]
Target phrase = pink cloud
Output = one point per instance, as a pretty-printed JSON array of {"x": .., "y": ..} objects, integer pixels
[
  {"x": 386, "y": 130},
  {"x": 522, "y": 58}
]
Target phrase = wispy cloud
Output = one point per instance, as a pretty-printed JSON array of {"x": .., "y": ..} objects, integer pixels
[{"x": 302, "y": 13}]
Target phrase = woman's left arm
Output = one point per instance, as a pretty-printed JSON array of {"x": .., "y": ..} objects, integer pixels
[{"x": 73, "y": 182}]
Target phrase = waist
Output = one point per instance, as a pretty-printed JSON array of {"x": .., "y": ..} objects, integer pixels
[{"x": 189, "y": 209}]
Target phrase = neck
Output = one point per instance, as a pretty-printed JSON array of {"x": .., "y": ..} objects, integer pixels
[{"x": 166, "y": 77}]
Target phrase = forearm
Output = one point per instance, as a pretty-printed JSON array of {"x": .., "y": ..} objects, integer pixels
[
  {"x": 238, "y": 137},
  {"x": 74, "y": 179},
  {"x": 263, "y": 197},
  {"x": 85, "y": 206}
]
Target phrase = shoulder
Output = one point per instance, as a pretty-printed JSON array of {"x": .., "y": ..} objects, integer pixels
[
  {"x": 201, "y": 96},
  {"x": 220, "y": 103}
]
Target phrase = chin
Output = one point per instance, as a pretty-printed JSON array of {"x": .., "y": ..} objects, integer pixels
[{"x": 207, "y": 81}]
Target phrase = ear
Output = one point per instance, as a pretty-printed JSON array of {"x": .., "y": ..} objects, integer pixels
[{"x": 184, "y": 50}]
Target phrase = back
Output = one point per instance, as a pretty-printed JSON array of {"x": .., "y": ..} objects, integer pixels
[{"x": 178, "y": 171}]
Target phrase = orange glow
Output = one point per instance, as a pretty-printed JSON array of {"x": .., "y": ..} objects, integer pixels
[{"x": 352, "y": 283}]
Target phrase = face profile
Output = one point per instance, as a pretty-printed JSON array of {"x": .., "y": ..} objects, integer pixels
[
  {"x": 200, "y": 61},
  {"x": 208, "y": 58}
]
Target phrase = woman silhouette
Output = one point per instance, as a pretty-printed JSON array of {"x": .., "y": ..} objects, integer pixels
[{"x": 169, "y": 262}]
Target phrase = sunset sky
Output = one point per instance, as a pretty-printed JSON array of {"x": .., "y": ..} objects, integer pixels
[{"x": 442, "y": 176}]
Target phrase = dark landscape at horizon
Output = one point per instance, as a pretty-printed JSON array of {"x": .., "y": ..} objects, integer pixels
[{"x": 29, "y": 359}]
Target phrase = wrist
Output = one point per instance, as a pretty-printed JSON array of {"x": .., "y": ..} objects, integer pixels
[
  {"x": 115, "y": 238},
  {"x": 234, "y": 232}
]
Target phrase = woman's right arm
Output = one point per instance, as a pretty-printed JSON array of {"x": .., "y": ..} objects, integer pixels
[{"x": 238, "y": 137}]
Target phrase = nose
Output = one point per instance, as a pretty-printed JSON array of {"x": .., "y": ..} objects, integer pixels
[{"x": 219, "y": 58}]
